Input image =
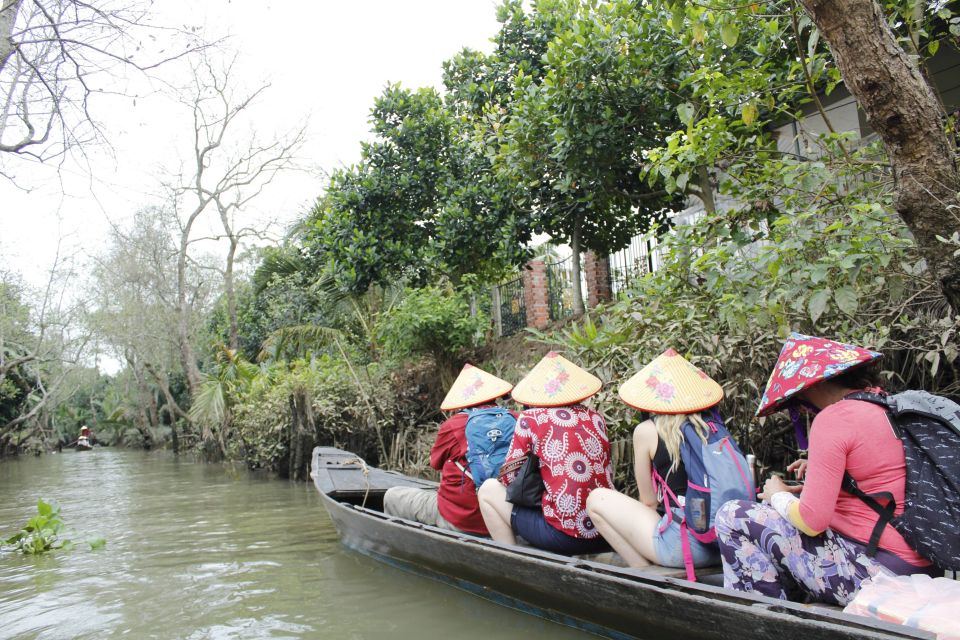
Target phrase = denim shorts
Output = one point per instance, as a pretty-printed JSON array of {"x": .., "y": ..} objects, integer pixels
[
  {"x": 534, "y": 528},
  {"x": 669, "y": 545}
]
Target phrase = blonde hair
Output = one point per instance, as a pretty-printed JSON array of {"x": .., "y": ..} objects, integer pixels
[{"x": 670, "y": 430}]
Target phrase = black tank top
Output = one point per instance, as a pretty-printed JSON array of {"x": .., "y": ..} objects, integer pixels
[{"x": 676, "y": 479}]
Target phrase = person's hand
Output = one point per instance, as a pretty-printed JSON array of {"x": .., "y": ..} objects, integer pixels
[
  {"x": 798, "y": 468},
  {"x": 775, "y": 484}
]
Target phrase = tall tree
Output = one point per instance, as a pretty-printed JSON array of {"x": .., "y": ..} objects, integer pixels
[
  {"x": 575, "y": 127},
  {"x": 134, "y": 288},
  {"x": 421, "y": 203},
  {"x": 226, "y": 172},
  {"x": 904, "y": 110},
  {"x": 55, "y": 55},
  {"x": 41, "y": 340}
]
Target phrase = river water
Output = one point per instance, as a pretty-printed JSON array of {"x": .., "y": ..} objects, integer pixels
[{"x": 201, "y": 551}]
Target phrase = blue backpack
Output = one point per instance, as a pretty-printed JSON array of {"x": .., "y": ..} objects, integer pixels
[
  {"x": 717, "y": 472},
  {"x": 489, "y": 433}
]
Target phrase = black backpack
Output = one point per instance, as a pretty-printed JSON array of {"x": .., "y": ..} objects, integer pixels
[{"x": 929, "y": 428}]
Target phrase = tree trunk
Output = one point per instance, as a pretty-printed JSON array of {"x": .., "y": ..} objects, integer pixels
[
  {"x": 187, "y": 358},
  {"x": 9, "y": 9},
  {"x": 578, "y": 309},
  {"x": 232, "y": 296},
  {"x": 229, "y": 290},
  {"x": 903, "y": 109},
  {"x": 173, "y": 409},
  {"x": 705, "y": 190}
]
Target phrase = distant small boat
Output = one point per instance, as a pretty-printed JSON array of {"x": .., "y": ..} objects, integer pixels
[
  {"x": 83, "y": 444},
  {"x": 614, "y": 602}
]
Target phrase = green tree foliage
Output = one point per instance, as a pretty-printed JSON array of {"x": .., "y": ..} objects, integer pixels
[
  {"x": 431, "y": 321},
  {"x": 575, "y": 127},
  {"x": 416, "y": 204},
  {"x": 835, "y": 261}
]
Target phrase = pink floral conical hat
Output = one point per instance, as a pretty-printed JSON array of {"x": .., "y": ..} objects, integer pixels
[
  {"x": 670, "y": 384},
  {"x": 806, "y": 360},
  {"x": 555, "y": 382},
  {"x": 472, "y": 387}
]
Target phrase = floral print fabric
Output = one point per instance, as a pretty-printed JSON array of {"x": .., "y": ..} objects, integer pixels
[
  {"x": 574, "y": 453},
  {"x": 763, "y": 552},
  {"x": 806, "y": 360}
]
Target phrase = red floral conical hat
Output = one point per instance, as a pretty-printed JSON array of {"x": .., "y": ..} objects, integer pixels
[
  {"x": 806, "y": 360},
  {"x": 472, "y": 387}
]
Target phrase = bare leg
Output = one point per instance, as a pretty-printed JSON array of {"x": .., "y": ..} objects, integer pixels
[
  {"x": 626, "y": 524},
  {"x": 496, "y": 511}
]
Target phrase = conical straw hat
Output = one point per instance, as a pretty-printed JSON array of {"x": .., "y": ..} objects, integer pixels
[
  {"x": 670, "y": 384},
  {"x": 555, "y": 382},
  {"x": 472, "y": 387},
  {"x": 805, "y": 361}
]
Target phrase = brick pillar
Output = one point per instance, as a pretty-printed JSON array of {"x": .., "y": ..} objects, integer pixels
[
  {"x": 535, "y": 296},
  {"x": 597, "y": 271}
]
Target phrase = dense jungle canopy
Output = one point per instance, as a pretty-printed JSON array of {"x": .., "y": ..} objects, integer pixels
[{"x": 589, "y": 124}]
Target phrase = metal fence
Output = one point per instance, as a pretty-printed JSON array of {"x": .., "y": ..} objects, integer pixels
[
  {"x": 508, "y": 298},
  {"x": 560, "y": 288},
  {"x": 640, "y": 257}
]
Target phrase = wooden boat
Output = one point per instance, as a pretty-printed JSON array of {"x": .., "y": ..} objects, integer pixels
[
  {"x": 611, "y": 601},
  {"x": 83, "y": 444}
]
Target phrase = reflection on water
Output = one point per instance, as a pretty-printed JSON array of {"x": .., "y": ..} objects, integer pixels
[{"x": 203, "y": 551}]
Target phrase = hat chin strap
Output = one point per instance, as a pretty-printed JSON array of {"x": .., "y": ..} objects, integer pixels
[{"x": 799, "y": 425}]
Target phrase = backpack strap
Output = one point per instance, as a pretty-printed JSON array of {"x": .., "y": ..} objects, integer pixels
[
  {"x": 465, "y": 472},
  {"x": 869, "y": 396},
  {"x": 872, "y": 500}
]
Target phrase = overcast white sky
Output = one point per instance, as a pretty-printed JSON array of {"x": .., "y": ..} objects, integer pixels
[{"x": 326, "y": 61}]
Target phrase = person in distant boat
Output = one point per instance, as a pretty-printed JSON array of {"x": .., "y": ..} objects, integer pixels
[
  {"x": 570, "y": 443},
  {"x": 816, "y": 542},
  {"x": 84, "y": 439},
  {"x": 649, "y": 530},
  {"x": 489, "y": 426}
]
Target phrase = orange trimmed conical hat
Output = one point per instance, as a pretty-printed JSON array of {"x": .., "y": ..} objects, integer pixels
[
  {"x": 669, "y": 385},
  {"x": 472, "y": 387},
  {"x": 555, "y": 382}
]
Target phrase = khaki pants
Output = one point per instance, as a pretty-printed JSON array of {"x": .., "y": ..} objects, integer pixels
[{"x": 419, "y": 505}]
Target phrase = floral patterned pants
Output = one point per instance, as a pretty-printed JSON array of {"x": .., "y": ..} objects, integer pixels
[{"x": 763, "y": 552}]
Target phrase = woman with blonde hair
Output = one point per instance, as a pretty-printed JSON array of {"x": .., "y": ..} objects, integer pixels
[{"x": 671, "y": 523}]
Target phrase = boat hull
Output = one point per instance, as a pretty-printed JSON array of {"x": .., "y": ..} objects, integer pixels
[{"x": 611, "y": 601}]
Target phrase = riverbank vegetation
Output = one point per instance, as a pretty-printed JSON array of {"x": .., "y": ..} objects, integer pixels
[{"x": 590, "y": 123}]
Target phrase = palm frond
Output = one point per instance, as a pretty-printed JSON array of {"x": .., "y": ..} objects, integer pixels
[
  {"x": 210, "y": 404},
  {"x": 298, "y": 340},
  {"x": 276, "y": 263}
]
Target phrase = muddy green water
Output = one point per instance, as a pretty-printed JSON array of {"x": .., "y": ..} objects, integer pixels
[{"x": 204, "y": 551}]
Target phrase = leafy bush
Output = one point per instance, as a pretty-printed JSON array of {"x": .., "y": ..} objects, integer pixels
[
  {"x": 830, "y": 259},
  {"x": 431, "y": 321}
]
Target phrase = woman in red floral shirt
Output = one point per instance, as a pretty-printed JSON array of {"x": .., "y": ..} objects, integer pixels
[{"x": 571, "y": 443}]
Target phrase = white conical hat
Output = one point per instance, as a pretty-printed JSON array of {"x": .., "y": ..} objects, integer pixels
[
  {"x": 472, "y": 387},
  {"x": 555, "y": 382}
]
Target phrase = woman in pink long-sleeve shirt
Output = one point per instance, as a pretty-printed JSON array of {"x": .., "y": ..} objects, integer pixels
[{"x": 817, "y": 542}]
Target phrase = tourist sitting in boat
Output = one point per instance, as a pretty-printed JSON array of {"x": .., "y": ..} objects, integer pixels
[
  {"x": 569, "y": 442},
  {"x": 648, "y": 530},
  {"x": 454, "y": 506},
  {"x": 83, "y": 442},
  {"x": 815, "y": 542}
]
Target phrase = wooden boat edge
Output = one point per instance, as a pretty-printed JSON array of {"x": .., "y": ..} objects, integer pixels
[{"x": 751, "y": 606}]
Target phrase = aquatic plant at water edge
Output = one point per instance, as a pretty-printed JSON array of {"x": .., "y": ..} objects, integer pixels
[{"x": 41, "y": 534}]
